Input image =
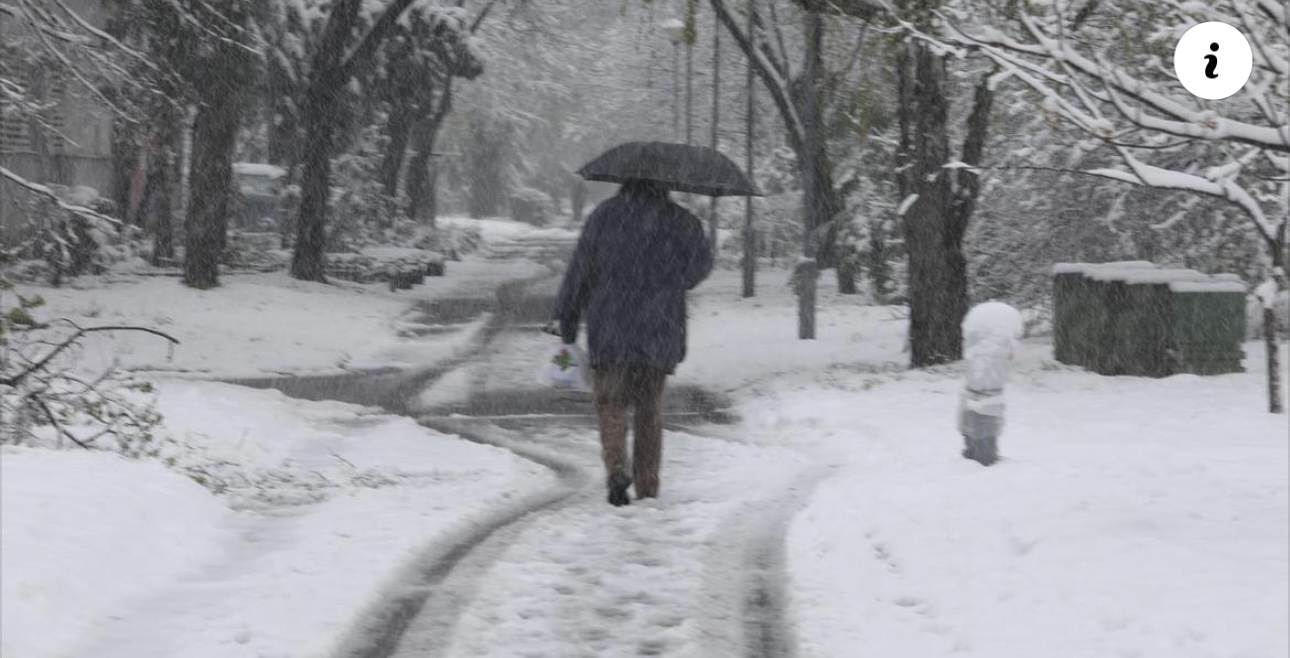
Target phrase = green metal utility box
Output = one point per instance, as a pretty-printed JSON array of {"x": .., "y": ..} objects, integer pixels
[
  {"x": 1209, "y": 326},
  {"x": 1080, "y": 310},
  {"x": 1133, "y": 318},
  {"x": 1071, "y": 295}
]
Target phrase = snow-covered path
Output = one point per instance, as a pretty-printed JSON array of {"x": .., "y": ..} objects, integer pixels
[
  {"x": 678, "y": 576},
  {"x": 698, "y": 572}
]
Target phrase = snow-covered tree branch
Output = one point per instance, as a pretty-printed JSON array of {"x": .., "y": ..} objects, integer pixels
[{"x": 1122, "y": 92}]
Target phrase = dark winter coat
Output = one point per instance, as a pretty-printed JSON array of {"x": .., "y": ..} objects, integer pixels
[{"x": 636, "y": 257}]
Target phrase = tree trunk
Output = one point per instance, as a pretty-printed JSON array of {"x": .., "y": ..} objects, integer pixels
[
  {"x": 1275, "y": 402},
  {"x": 318, "y": 117},
  {"x": 165, "y": 180},
  {"x": 937, "y": 267},
  {"x": 284, "y": 139},
  {"x": 486, "y": 168},
  {"x": 125, "y": 158},
  {"x": 423, "y": 187},
  {"x": 1277, "y": 249},
  {"x": 186, "y": 160},
  {"x": 399, "y": 132},
  {"x": 815, "y": 175},
  {"x": 822, "y": 204},
  {"x": 846, "y": 276},
  {"x": 214, "y": 142},
  {"x": 319, "y": 123},
  {"x": 163, "y": 222}
]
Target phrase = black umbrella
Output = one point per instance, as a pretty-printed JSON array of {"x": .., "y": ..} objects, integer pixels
[{"x": 680, "y": 167}]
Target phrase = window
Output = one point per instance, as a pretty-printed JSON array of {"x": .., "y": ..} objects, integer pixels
[
  {"x": 13, "y": 134},
  {"x": 16, "y": 128}
]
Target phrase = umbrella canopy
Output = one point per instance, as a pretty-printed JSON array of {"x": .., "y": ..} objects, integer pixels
[{"x": 680, "y": 167}]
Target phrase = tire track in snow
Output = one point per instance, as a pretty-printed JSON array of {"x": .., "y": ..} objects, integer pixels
[
  {"x": 698, "y": 572},
  {"x": 767, "y": 631},
  {"x": 433, "y": 580}
]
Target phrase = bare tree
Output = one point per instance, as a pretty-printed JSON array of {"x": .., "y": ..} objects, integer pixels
[{"x": 798, "y": 100}]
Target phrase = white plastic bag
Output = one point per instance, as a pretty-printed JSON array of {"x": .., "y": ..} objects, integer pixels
[{"x": 566, "y": 368}]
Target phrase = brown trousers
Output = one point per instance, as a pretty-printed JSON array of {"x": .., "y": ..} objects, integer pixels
[{"x": 620, "y": 387}]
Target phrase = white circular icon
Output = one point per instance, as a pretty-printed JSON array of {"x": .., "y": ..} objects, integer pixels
[{"x": 1213, "y": 60}]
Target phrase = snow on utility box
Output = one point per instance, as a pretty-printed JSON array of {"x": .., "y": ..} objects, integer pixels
[{"x": 1136, "y": 319}]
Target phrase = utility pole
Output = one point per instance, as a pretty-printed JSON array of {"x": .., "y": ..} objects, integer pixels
[
  {"x": 808, "y": 267},
  {"x": 716, "y": 117},
  {"x": 676, "y": 89},
  {"x": 689, "y": 90},
  {"x": 675, "y": 31},
  {"x": 750, "y": 238}
]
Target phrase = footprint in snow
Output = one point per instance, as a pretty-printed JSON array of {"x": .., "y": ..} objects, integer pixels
[
  {"x": 651, "y": 648},
  {"x": 614, "y": 613}
]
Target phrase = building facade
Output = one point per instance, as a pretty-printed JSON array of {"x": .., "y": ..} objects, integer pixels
[{"x": 74, "y": 146}]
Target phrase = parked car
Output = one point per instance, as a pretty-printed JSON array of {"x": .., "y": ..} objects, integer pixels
[{"x": 258, "y": 204}]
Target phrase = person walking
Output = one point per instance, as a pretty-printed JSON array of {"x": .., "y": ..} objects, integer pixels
[{"x": 637, "y": 256}]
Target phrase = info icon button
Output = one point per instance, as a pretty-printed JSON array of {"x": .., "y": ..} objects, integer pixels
[{"x": 1213, "y": 60}]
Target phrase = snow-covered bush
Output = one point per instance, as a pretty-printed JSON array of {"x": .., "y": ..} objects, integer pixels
[
  {"x": 453, "y": 241},
  {"x": 361, "y": 212},
  {"x": 532, "y": 206},
  {"x": 251, "y": 250},
  {"x": 55, "y": 242}
]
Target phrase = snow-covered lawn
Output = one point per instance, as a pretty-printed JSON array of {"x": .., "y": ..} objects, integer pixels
[
  {"x": 259, "y": 324},
  {"x": 501, "y": 230},
  {"x": 83, "y": 532},
  {"x": 329, "y": 504},
  {"x": 736, "y": 342},
  {"x": 326, "y": 504},
  {"x": 1129, "y": 517}
]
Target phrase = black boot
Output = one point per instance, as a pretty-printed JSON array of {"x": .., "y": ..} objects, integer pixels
[{"x": 618, "y": 483}]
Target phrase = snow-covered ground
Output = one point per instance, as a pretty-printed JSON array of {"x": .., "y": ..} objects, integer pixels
[
  {"x": 324, "y": 507},
  {"x": 1128, "y": 517},
  {"x": 260, "y": 323},
  {"x": 82, "y": 533},
  {"x": 500, "y": 230},
  {"x": 328, "y": 505}
]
